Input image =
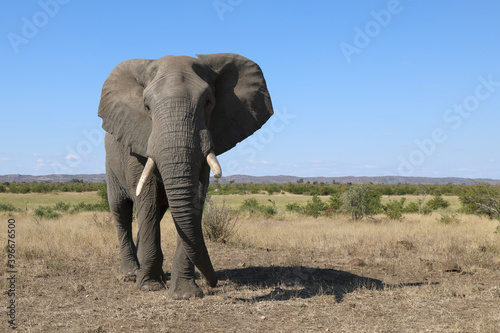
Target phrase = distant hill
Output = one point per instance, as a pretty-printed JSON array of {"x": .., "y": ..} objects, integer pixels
[
  {"x": 98, "y": 178},
  {"x": 95, "y": 178},
  {"x": 357, "y": 180}
]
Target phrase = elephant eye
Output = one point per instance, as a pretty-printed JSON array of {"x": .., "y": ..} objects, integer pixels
[{"x": 209, "y": 105}]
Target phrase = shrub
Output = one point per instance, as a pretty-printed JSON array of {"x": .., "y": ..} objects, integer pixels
[
  {"x": 47, "y": 213},
  {"x": 294, "y": 207},
  {"x": 481, "y": 199},
  {"x": 437, "y": 203},
  {"x": 315, "y": 207},
  {"x": 335, "y": 202},
  {"x": 253, "y": 207},
  {"x": 61, "y": 206},
  {"x": 6, "y": 207},
  {"x": 449, "y": 218},
  {"x": 360, "y": 201},
  {"x": 412, "y": 207},
  {"x": 219, "y": 224},
  {"x": 394, "y": 209},
  {"x": 272, "y": 188},
  {"x": 102, "y": 220},
  {"x": 270, "y": 210},
  {"x": 102, "y": 192},
  {"x": 250, "y": 205},
  {"x": 88, "y": 207}
]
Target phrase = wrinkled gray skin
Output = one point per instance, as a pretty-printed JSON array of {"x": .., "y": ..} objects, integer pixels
[{"x": 175, "y": 110}]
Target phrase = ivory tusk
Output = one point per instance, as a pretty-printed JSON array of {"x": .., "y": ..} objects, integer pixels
[
  {"x": 146, "y": 175},
  {"x": 214, "y": 165}
]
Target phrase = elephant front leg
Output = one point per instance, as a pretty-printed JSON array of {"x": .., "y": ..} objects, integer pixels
[
  {"x": 182, "y": 281},
  {"x": 149, "y": 253}
]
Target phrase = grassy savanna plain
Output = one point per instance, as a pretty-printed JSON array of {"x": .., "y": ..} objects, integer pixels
[{"x": 280, "y": 273}]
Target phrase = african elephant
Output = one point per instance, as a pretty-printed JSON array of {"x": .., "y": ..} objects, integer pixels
[{"x": 166, "y": 120}]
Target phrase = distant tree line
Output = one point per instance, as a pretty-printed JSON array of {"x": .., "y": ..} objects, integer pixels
[
  {"x": 216, "y": 188},
  {"x": 76, "y": 185},
  {"x": 319, "y": 189}
]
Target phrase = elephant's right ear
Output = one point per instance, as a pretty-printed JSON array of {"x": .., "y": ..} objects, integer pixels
[{"x": 122, "y": 106}]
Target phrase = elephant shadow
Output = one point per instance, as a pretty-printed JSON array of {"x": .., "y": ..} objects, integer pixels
[{"x": 302, "y": 282}]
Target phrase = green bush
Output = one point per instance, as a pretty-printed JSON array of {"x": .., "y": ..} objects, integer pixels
[
  {"x": 294, "y": 208},
  {"x": 360, "y": 201},
  {"x": 437, "y": 203},
  {"x": 412, "y": 207},
  {"x": 88, "y": 207},
  {"x": 47, "y": 213},
  {"x": 61, "y": 206},
  {"x": 270, "y": 210},
  {"x": 7, "y": 207},
  {"x": 102, "y": 192},
  {"x": 253, "y": 207},
  {"x": 315, "y": 207},
  {"x": 394, "y": 209},
  {"x": 335, "y": 202}
]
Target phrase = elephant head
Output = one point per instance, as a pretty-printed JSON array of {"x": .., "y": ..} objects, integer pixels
[{"x": 180, "y": 112}]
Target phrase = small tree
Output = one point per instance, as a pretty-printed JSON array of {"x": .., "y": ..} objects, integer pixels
[
  {"x": 360, "y": 201},
  {"x": 421, "y": 201},
  {"x": 103, "y": 194},
  {"x": 481, "y": 199},
  {"x": 335, "y": 202}
]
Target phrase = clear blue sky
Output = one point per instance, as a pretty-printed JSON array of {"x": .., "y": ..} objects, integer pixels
[{"x": 363, "y": 88}]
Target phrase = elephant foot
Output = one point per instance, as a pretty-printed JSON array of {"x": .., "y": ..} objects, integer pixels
[
  {"x": 150, "y": 283},
  {"x": 130, "y": 276},
  {"x": 129, "y": 269},
  {"x": 184, "y": 289},
  {"x": 152, "y": 286}
]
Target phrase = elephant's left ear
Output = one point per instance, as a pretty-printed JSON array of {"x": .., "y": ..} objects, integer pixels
[{"x": 243, "y": 103}]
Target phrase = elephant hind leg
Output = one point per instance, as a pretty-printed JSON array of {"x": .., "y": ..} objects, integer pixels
[{"x": 128, "y": 251}]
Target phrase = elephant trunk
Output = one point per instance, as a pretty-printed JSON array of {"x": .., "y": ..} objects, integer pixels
[
  {"x": 176, "y": 150},
  {"x": 186, "y": 207}
]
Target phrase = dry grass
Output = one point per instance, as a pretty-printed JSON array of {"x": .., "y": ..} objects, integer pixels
[
  {"x": 281, "y": 200},
  {"x": 285, "y": 274},
  {"x": 470, "y": 243}
]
